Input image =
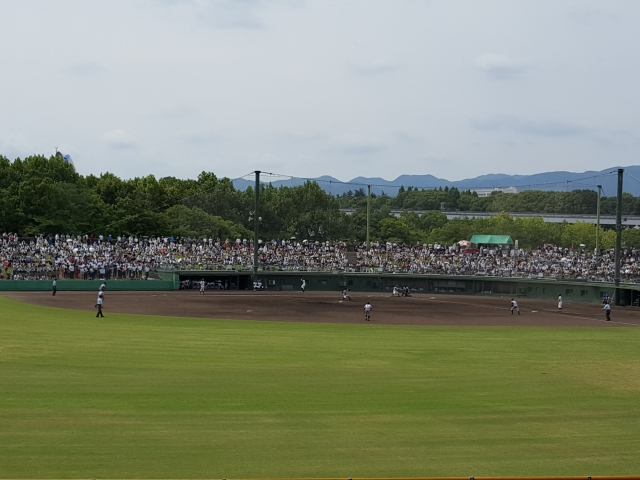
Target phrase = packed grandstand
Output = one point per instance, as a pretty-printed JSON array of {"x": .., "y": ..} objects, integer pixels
[{"x": 72, "y": 257}]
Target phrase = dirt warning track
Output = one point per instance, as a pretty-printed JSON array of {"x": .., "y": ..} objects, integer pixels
[{"x": 421, "y": 309}]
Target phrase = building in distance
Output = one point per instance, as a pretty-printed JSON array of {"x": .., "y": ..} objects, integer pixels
[{"x": 485, "y": 192}]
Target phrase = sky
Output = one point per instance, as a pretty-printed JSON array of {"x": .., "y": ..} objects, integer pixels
[{"x": 344, "y": 88}]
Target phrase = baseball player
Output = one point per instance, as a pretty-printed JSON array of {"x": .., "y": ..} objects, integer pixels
[
  {"x": 99, "y": 307},
  {"x": 607, "y": 311},
  {"x": 367, "y": 311},
  {"x": 202, "y": 287},
  {"x": 559, "y": 302},
  {"x": 345, "y": 294},
  {"x": 304, "y": 285},
  {"x": 514, "y": 306},
  {"x": 55, "y": 288},
  {"x": 396, "y": 292}
]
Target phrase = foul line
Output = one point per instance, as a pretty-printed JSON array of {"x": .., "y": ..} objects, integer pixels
[
  {"x": 575, "y": 315},
  {"x": 566, "y": 315}
]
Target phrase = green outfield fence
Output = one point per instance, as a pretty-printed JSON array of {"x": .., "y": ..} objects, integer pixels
[
  {"x": 86, "y": 285},
  {"x": 540, "y": 289}
]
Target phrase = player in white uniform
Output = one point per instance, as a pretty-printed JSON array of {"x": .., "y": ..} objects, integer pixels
[
  {"x": 396, "y": 292},
  {"x": 345, "y": 294},
  {"x": 202, "y": 287},
  {"x": 559, "y": 302},
  {"x": 99, "y": 307},
  {"x": 367, "y": 311},
  {"x": 514, "y": 306},
  {"x": 304, "y": 285}
]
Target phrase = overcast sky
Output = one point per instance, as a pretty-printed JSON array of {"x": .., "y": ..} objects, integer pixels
[{"x": 343, "y": 88}]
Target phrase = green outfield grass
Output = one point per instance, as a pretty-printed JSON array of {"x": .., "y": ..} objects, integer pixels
[{"x": 153, "y": 397}]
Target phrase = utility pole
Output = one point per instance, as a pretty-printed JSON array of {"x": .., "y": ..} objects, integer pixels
[
  {"x": 256, "y": 223},
  {"x": 598, "y": 219},
  {"x": 368, "y": 212},
  {"x": 616, "y": 277}
]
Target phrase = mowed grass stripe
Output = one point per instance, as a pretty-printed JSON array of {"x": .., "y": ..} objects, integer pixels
[{"x": 162, "y": 397}]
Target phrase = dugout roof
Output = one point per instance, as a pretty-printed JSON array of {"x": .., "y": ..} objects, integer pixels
[{"x": 491, "y": 240}]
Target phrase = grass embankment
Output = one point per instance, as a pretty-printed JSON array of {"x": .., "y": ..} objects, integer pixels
[{"x": 152, "y": 397}]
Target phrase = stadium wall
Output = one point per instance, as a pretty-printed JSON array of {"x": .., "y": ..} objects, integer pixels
[
  {"x": 548, "y": 289},
  {"x": 571, "y": 291},
  {"x": 87, "y": 285}
]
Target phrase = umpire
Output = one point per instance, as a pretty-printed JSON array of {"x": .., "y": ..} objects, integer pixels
[{"x": 99, "y": 307}]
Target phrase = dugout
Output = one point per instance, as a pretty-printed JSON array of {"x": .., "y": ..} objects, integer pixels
[{"x": 231, "y": 280}]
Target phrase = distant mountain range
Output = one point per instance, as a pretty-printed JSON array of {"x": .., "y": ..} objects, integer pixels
[{"x": 558, "y": 181}]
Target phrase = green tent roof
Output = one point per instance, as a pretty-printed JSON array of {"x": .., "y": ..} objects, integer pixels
[{"x": 491, "y": 240}]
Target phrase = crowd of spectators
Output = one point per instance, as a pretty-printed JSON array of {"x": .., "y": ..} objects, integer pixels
[
  {"x": 548, "y": 261},
  {"x": 88, "y": 257}
]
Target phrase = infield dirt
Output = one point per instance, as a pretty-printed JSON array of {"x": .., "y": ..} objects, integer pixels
[{"x": 421, "y": 309}]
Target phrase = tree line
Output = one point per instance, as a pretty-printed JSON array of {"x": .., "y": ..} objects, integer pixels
[
  {"x": 527, "y": 201},
  {"x": 40, "y": 195}
]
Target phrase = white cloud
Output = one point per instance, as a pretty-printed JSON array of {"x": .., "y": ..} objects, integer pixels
[
  {"x": 227, "y": 14},
  {"x": 545, "y": 128},
  {"x": 357, "y": 145},
  {"x": 84, "y": 69},
  {"x": 499, "y": 67},
  {"x": 119, "y": 140},
  {"x": 370, "y": 69},
  {"x": 13, "y": 145}
]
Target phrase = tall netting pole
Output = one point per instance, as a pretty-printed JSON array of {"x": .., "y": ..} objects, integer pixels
[
  {"x": 256, "y": 223},
  {"x": 368, "y": 212},
  {"x": 616, "y": 277},
  {"x": 598, "y": 219}
]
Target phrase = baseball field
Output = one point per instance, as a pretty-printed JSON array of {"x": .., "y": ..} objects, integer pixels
[{"x": 432, "y": 386}]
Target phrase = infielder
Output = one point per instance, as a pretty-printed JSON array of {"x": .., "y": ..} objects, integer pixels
[
  {"x": 367, "y": 311},
  {"x": 514, "y": 306}
]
